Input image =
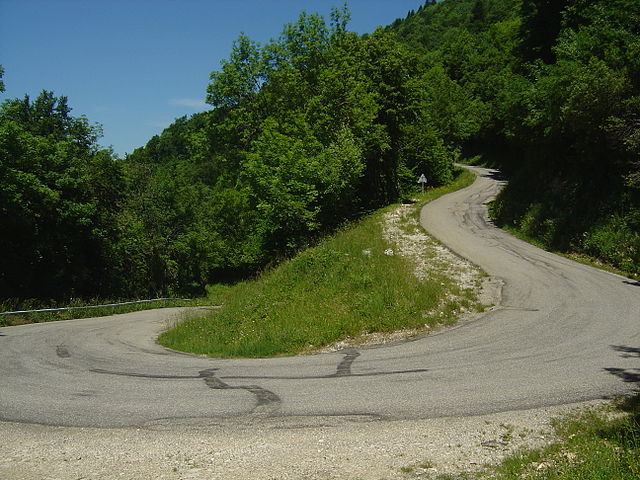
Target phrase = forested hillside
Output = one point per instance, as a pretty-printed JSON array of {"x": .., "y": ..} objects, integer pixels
[
  {"x": 557, "y": 89},
  {"x": 306, "y": 132},
  {"x": 322, "y": 125}
]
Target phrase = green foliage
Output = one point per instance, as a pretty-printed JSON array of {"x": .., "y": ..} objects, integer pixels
[
  {"x": 540, "y": 27},
  {"x": 321, "y": 125},
  {"x": 575, "y": 186},
  {"x": 616, "y": 242},
  {"x": 56, "y": 198},
  {"x": 240, "y": 77},
  {"x": 311, "y": 130}
]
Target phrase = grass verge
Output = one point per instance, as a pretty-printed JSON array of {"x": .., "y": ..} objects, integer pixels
[
  {"x": 76, "y": 310},
  {"x": 350, "y": 284},
  {"x": 596, "y": 444}
]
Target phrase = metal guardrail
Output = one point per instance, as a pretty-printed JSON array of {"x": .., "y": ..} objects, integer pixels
[{"x": 86, "y": 307}]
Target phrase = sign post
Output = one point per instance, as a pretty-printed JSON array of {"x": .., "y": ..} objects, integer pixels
[{"x": 422, "y": 180}]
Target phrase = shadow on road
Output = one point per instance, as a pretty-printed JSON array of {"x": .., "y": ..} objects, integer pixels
[
  {"x": 629, "y": 282},
  {"x": 495, "y": 175},
  {"x": 627, "y": 375}
]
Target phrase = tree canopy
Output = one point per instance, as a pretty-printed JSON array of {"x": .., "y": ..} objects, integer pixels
[
  {"x": 321, "y": 125},
  {"x": 56, "y": 200}
]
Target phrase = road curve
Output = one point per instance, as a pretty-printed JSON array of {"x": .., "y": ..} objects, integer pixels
[{"x": 564, "y": 333}]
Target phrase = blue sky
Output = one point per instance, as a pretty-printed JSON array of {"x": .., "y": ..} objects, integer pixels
[{"x": 135, "y": 65}]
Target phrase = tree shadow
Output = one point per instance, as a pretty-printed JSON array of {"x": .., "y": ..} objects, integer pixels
[
  {"x": 629, "y": 403},
  {"x": 628, "y": 375},
  {"x": 627, "y": 352},
  {"x": 495, "y": 175}
]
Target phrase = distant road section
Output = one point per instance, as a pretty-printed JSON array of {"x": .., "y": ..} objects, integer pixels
[{"x": 563, "y": 333}]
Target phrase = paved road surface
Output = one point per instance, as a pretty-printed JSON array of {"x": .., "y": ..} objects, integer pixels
[{"x": 564, "y": 333}]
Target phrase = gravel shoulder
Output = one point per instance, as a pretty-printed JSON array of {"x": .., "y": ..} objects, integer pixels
[{"x": 273, "y": 448}]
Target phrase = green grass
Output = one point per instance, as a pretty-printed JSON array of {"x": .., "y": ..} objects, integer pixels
[
  {"x": 38, "y": 317},
  {"x": 596, "y": 444},
  {"x": 344, "y": 287}
]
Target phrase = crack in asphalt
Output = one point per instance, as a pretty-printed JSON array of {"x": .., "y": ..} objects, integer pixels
[
  {"x": 145, "y": 375},
  {"x": 521, "y": 309}
]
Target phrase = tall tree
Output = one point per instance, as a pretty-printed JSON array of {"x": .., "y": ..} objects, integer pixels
[{"x": 54, "y": 201}]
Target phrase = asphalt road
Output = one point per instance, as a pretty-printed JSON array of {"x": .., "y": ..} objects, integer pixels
[{"x": 564, "y": 333}]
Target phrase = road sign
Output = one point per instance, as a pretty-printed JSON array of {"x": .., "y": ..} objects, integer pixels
[{"x": 422, "y": 180}]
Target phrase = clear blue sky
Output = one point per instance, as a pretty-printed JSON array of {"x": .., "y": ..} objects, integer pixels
[{"x": 135, "y": 65}]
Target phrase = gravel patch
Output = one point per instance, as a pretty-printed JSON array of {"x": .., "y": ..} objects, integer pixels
[
  {"x": 319, "y": 448},
  {"x": 431, "y": 259}
]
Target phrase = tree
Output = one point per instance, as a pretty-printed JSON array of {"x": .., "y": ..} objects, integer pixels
[
  {"x": 55, "y": 216},
  {"x": 240, "y": 77}
]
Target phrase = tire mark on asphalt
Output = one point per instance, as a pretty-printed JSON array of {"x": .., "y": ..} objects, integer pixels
[
  {"x": 344, "y": 368},
  {"x": 145, "y": 375},
  {"x": 258, "y": 377},
  {"x": 318, "y": 377},
  {"x": 267, "y": 401}
]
